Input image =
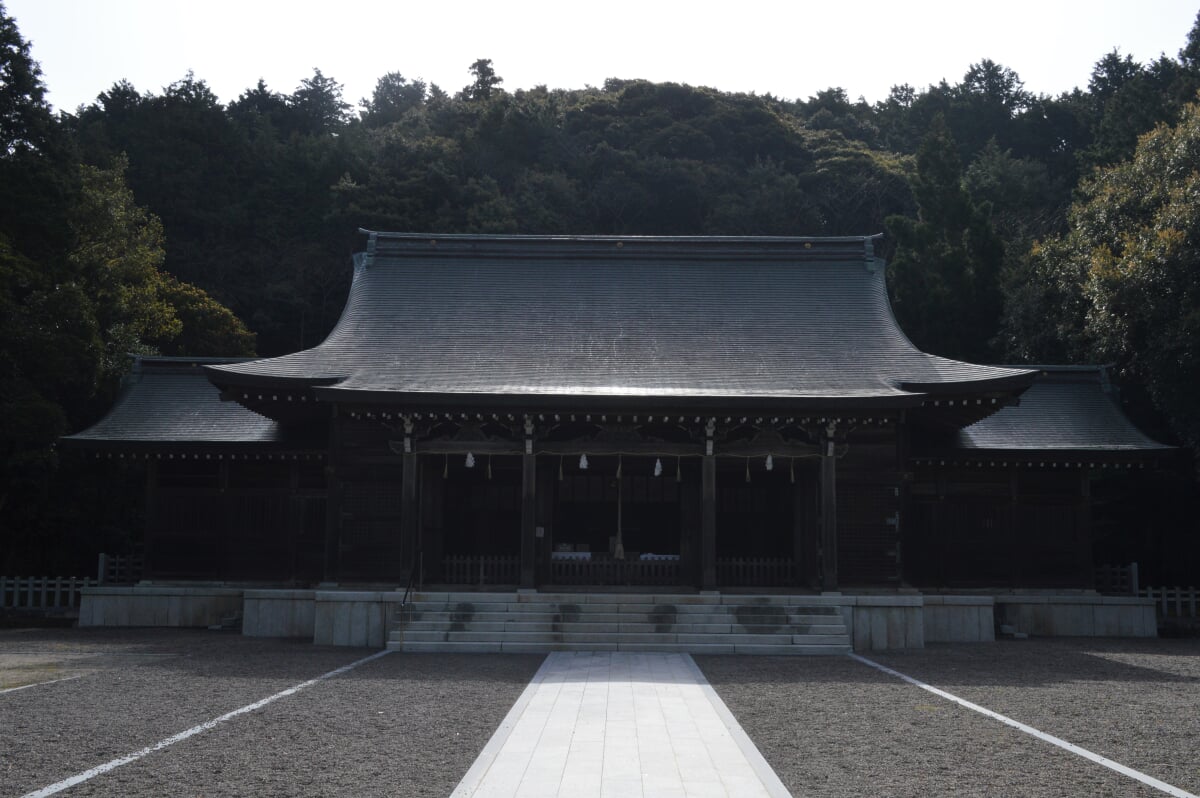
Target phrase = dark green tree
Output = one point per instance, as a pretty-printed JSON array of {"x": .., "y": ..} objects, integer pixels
[
  {"x": 486, "y": 82},
  {"x": 945, "y": 274},
  {"x": 394, "y": 96},
  {"x": 36, "y": 156},
  {"x": 1123, "y": 284},
  {"x": 319, "y": 105}
]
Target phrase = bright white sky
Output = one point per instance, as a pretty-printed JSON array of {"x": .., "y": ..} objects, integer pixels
[{"x": 791, "y": 48}]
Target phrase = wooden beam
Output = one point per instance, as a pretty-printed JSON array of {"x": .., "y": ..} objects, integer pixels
[
  {"x": 779, "y": 450},
  {"x": 462, "y": 447},
  {"x": 631, "y": 448}
]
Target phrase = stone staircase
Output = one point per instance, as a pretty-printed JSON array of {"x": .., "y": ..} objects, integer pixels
[{"x": 699, "y": 624}]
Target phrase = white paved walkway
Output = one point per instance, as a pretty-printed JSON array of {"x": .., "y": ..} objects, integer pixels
[{"x": 622, "y": 725}]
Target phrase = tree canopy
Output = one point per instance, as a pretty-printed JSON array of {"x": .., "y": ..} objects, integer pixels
[{"x": 1125, "y": 278}]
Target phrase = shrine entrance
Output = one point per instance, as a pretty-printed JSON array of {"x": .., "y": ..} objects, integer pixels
[{"x": 622, "y": 520}]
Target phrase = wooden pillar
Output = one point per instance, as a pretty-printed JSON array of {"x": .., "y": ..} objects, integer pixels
[
  {"x": 1015, "y": 534},
  {"x": 333, "y": 499},
  {"x": 409, "y": 513},
  {"x": 294, "y": 523},
  {"x": 708, "y": 512},
  {"x": 799, "y": 527},
  {"x": 229, "y": 539},
  {"x": 545, "y": 520},
  {"x": 1083, "y": 533},
  {"x": 410, "y": 517},
  {"x": 430, "y": 552},
  {"x": 151, "y": 519},
  {"x": 829, "y": 574},
  {"x": 528, "y": 511}
]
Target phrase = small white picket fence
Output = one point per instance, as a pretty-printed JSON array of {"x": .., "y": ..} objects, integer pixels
[
  {"x": 42, "y": 592},
  {"x": 1173, "y": 602}
]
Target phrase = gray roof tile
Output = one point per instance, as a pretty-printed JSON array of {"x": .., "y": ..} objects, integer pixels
[
  {"x": 672, "y": 318},
  {"x": 171, "y": 401},
  {"x": 1067, "y": 409}
]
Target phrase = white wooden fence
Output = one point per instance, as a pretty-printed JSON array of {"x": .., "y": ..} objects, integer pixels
[
  {"x": 1173, "y": 602},
  {"x": 42, "y": 592}
]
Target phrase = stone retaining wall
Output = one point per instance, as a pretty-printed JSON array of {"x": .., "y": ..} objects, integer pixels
[
  {"x": 878, "y": 623},
  {"x": 1083, "y": 615},
  {"x": 959, "y": 619},
  {"x": 159, "y": 605},
  {"x": 874, "y": 622},
  {"x": 354, "y": 618},
  {"x": 279, "y": 613}
]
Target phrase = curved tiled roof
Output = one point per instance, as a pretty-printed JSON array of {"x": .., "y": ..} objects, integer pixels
[
  {"x": 170, "y": 401},
  {"x": 674, "y": 318},
  {"x": 1068, "y": 408}
]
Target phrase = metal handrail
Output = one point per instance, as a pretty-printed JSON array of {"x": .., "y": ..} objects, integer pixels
[{"x": 404, "y": 601}]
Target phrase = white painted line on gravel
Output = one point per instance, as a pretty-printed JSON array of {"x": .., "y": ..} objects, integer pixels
[
  {"x": 39, "y": 684},
  {"x": 203, "y": 727},
  {"x": 1041, "y": 735}
]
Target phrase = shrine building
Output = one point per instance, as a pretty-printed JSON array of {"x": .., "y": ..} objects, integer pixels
[{"x": 696, "y": 416}]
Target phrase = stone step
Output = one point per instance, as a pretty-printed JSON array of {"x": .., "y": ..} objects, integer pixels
[
  {"x": 540, "y": 648},
  {"x": 506, "y": 625},
  {"x": 625, "y": 598},
  {"x": 566, "y": 606},
  {"x": 620, "y": 637},
  {"x": 744, "y": 619},
  {"x": 507, "y": 622},
  {"x": 587, "y": 604}
]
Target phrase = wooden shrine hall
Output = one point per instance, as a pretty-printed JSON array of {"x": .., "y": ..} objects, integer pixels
[{"x": 565, "y": 412}]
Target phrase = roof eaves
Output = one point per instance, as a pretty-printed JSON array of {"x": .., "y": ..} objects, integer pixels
[{"x": 338, "y": 394}]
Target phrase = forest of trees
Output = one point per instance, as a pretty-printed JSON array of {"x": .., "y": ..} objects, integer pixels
[{"x": 1019, "y": 228}]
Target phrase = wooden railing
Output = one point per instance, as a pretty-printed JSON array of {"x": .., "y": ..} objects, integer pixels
[
  {"x": 498, "y": 569},
  {"x": 609, "y": 571},
  {"x": 1117, "y": 580},
  {"x": 119, "y": 569},
  {"x": 756, "y": 571},
  {"x": 1173, "y": 602},
  {"x": 605, "y": 570},
  {"x": 42, "y": 592}
]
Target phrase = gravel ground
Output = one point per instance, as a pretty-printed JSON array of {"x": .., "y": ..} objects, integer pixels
[
  {"x": 412, "y": 724},
  {"x": 1134, "y": 701},
  {"x": 406, "y": 724},
  {"x": 836, "y": 727}
]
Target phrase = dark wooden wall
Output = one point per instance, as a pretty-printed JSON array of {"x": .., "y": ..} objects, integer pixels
[
  {"x": 869, "y": 484},
  {"x": 1001, "y": 527},
  {"x": 236, "y": 520}
]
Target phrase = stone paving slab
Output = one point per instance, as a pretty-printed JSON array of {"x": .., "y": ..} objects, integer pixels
[{"x": 620, "y": 724}]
